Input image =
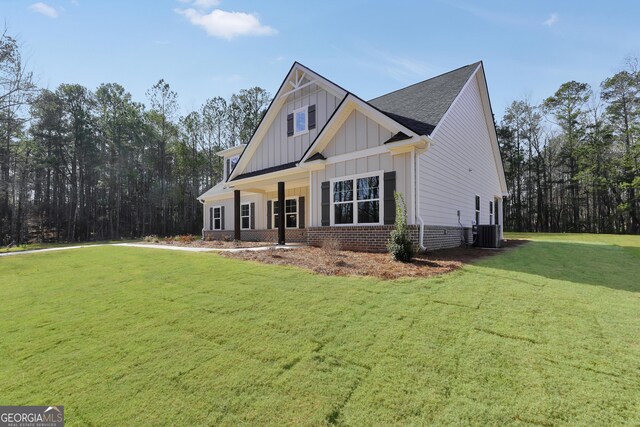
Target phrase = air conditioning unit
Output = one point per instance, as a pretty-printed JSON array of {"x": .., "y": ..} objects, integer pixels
[{"x": 488, "y": 236}]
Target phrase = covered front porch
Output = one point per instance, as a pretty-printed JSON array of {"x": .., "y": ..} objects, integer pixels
[{"x": 268, "y": 208}]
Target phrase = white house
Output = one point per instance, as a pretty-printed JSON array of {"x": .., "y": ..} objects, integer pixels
[{"x": 324, "y": 164}]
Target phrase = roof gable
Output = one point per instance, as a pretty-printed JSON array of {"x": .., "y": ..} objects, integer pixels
[
  {"x": 421, "y": 106},
  {"x": 479, "y": 83},
  {"x": 298, "y": 78}
]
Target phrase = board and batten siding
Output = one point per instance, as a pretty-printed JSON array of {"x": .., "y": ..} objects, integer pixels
[
  {"x": 277, "y": 148},
  {"x": 400, "y": 163},
  {"x": 459, "y": 165},
  {"x": 228, "y": 209},
  {"x": 358, "y": 133}
]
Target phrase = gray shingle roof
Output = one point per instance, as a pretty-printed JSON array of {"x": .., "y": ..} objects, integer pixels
[{"x": 420, "y": 106}]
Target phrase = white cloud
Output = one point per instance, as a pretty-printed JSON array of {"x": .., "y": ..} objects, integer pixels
[
  {"x": 205, "y": 4},
  {"x": 201, "y": 4},
  {"x": 227, "y": 25},
  {"x": 44, "y": 9},
  {"x": 553, "y": 19}
]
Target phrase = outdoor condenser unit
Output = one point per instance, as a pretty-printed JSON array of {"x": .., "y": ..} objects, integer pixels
[{"x": 488, "y": 236}]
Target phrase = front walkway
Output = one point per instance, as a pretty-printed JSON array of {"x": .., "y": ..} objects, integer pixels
[{"x": 157, "y": 246}]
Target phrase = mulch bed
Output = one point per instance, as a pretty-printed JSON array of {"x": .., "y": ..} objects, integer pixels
[{"x": 380, "y": 265}]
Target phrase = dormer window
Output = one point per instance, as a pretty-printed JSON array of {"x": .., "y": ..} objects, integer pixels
[
  {"x": 301, "y": 120},
  {"x": 231, "y": 163}
]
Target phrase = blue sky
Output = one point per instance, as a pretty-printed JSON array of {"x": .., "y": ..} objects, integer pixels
[{"x": 205, "y": 48}]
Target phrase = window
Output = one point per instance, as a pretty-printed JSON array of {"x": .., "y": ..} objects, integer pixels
[
  {"x": 361, "y": 206},
  {"x": 343, "y": 202},
  {"x": 300, "y": 121},
  {"x": 290, "y": 213},
  {"x": 231, "y": 163},
  {"x": 245, "y": 216},
  {"x": 491, "y": 212},
  {"x": 217, "y": 218},
  {"x": 477, "y": 210}
]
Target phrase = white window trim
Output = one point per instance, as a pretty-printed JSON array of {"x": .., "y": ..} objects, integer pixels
[
  {"x": 245, "y": 216},
  {"x": 380, "y": 175},
  {"x": 273, "y": 214},
  {"x": 304, "y": 110},
  {"x": 227, "y": 165},
  {"x": 214, "y": 217}
]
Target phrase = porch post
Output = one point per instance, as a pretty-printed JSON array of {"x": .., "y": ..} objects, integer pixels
[
  {"x": 281, "y": 214},
  {"x": 236, "y": 214}
]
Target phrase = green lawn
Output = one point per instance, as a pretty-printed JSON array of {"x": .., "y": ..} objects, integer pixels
[
  {"x": 544, "y": 334},
  {"x": 38, "y": 246}
]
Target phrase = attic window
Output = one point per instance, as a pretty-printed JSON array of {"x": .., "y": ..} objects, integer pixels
[{"x": 300, "y": 121}]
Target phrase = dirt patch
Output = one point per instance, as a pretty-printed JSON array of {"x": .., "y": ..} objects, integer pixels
[
  {"x": 217, "y": 244},
  {"x": 348, "y": 263}
]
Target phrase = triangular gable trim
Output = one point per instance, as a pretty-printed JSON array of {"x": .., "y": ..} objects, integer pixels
[
  {"x": 272, "y": 112},
  {"x": 349, "y": 104}
]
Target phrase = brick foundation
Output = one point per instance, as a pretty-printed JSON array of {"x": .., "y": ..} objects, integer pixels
[
  {"x": 294, "y": 235},
  {"x": 359, "y": 238}
]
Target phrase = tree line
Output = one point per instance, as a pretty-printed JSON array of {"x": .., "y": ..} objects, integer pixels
[
  {"x": 77, "y": 164},
  {"x": 572, "y": 163}
]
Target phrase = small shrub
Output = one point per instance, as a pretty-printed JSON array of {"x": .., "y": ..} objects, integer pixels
[
  {"x": 185, "y": 238},
  {"x": 227, "y": 238},
  {"x": 331, "y": 248},
  {"x": 399, "y": 244},
  {"x": 151, "y": 239},
  {"x": 273, "y": 252}
]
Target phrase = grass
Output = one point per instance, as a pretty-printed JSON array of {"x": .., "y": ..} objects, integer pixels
[
  {"x": 544, "y": 334},
  {"x": 37, "y": 246}
]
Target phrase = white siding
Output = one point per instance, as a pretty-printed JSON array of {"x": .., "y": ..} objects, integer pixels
[
  {"x": 459, "y": 165},
  {"x": 277, "y": 148},
  {"x": 380, "y": 162},
  {"x": 358, "y": 132}
]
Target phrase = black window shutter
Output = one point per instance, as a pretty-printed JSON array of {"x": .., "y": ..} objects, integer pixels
[
  {"x": 253, "y": 215},
  {"x": 301, "y": 212},
  {"x": 326, "y": 204},
  {"x": 290, "y": 124},
  {"x": 269, "y": 214},
  {"x": 222, "y": 218},
  {"x": 312, "y": 116},
  {"x": 210, "y": 218},
  {"x": 389, "y": 199}
]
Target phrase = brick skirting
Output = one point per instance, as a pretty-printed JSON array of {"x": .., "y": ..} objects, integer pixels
[
  {"x": 360, "y": 238},
  {"x": 294, "y": 235}
]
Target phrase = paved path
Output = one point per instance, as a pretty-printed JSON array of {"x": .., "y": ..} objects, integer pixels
[
  {"x": 62, "y": 248},
  {"x": 197, "y": 249},
  {"x": 153, "y": 246}
]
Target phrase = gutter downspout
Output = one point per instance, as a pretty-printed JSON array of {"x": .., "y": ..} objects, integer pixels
[
  {"x": 203, "y": 219},
  {"x": 416, "y": 168}
]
